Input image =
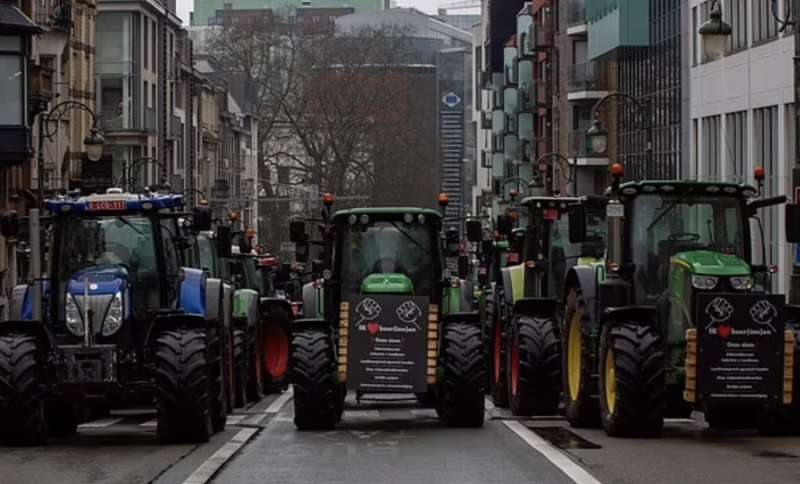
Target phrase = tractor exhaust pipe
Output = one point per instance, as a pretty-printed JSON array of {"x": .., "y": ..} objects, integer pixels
[{"x": 36, "y": 263}]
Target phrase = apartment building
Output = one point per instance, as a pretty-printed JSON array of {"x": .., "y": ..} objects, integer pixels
[{"x": 742, "y": 110}]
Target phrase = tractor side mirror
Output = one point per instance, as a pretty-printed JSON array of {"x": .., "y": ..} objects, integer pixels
[
  {"x": 224, "y": 240},
  {"x": 463, "y": 266},
  {"x": 297, "y": 232},
  {"x": 793, "y": 223},
  {"x": 577, "y": 225},
  {"x": 9, "y": 224},
  {"x": 474, "y": 231},
  {"x": 451, "y": 241},
  {"x": 201, "y": 219}
]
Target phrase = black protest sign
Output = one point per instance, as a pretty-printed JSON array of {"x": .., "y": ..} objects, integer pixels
[
  {"x": 740, "y": 347},
  {"x": 387, "y": 344}
]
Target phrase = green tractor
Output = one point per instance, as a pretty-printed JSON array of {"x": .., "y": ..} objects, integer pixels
[
  {"x": 525, "y": 351},
  {"x": 384, "y": 318},
  {"x": 677, "y": 317}
]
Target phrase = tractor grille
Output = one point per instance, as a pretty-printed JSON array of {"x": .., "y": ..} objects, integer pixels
[{"x": 98, "y": 305}]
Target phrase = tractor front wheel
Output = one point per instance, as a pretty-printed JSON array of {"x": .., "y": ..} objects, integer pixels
[
  {"x": 580, "y": 403},
  {"x": 22, "y": 407},
  {"x": 460, "y": 394},
  {"x": 632, "y": 390},
  {"x": 184, "y": 380},
  {"x": 275, "y": 356},
  {"x": 534, "y": 368},
  {"x": 317, "y": 395}
]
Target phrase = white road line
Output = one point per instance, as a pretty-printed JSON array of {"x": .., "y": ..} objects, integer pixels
[
  {"x": 488, "y": 405},
  {"x": 149, "y": 423},
  {"x": 207, "y": 469},
  {"x": 575, "y": 472},
  {"x": 362, "y": 414},
  {"x": 279, "y": 402},
  {"x": 235, "y": 419},
  {"x": 424, "y": 412},
  {"x": 680, "y": 420},
  {"x": 100, "y": 424}
]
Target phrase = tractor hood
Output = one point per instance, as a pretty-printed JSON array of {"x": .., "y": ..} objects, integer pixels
[
  {"x": 103, "y": 279},
  {"x": 710, "y": 263},
  {"x": 389, "y": 283}
]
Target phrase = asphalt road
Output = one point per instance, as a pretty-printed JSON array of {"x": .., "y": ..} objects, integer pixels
[{"x": 400, "y": 443}]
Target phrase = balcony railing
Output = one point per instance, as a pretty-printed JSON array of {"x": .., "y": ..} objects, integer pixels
[
  {"x": 577, "y": 142},
  {"x": 115, "y": 118},
  {"x": 54, "y": 14},
  {"x": 576, "y": 12},
  {"x": 587, "y": 76}
]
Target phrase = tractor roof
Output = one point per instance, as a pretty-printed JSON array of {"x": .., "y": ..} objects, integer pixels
[
  {"x": 681, "y": 186},
  {"x": 114, "y": 202},
  {"x": 550, "y": 202},
  {"x": 386, "y": 212}
]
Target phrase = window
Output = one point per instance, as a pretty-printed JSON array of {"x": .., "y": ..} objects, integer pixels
[
  {"x": 695, "y": 36},
  {"x": 695, "y": 162},
  {"x": 735, "y": 14},
  {"x": 736, "y": 145},
  {"x": 711, "y": 148},
  {"x": 154, "y": 46},
  {"x": 114, "y": 41},
  {"x": 12, "y": 99},
  {"x": 146, "y": 94},
  {"x": 765, "y": 144},
  {"x": 765, "y": 27},
  {"x": 146, "y": 42}
]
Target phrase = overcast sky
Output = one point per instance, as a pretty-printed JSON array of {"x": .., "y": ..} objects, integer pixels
[{"x": 429, "y": 6}]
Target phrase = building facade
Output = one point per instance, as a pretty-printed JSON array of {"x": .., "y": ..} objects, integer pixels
[{"x": 205, "y": 11}]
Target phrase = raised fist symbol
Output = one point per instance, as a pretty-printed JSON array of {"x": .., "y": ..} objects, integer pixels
[
  {"x": 763, "y": 312},
  {"x": 368, "y": 309},
  {"x": 719, "y": 310},
  {"x": 409, "y": 312}
]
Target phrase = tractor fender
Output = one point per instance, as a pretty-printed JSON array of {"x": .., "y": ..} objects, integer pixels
[
  {"x": 536, "y": 306},
  {"x": 176, "y": 320},
  {"x": 36, "y": 329},
  {"x": 266, "y": 304},
  {"x": 313, "y": 301},
  {"x": 193, "y": 292},
  {"x": 20, "y": 307},
  {"x": 245, "y": 307},
  {"x": 213, "y": 298},
  {"x": 639, "y": 315},
  {"x": 513, "y": 280},
  {"x": 301, "y": 324},
  {"x": 584, "y": 277},
  {"x": 472, "y": 318}
]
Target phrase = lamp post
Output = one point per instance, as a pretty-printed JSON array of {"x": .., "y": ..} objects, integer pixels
[
  {"x": 597, "y": 134},
  {"x": 570, "y": 165},
  {"x": 134, "y": 165},
  {"x": 94, "y": 142}
]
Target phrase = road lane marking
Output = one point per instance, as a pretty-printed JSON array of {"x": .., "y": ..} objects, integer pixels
[
  {"x": 207, "y": 469},
  {"x": 234, "y": 419},
  {"x": 149, "y": 423},
  {"x": 488, "y": 405},
  {"x": 100, "y": 424},
  {"x": 362, "y": 414},
  {"x": 575, "y": 472},
  {"x": 279, "y": 402},
  {"x": 424, "y": 413}
]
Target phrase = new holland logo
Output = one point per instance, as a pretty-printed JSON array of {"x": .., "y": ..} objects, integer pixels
[{"x": 451, "y": 100}]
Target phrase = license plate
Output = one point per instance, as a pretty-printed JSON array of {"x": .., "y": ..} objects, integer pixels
[
  {"x": 107, "y": 205},
  {"x": 615, "y": 210},
  {"x": 551, "y": 214}
]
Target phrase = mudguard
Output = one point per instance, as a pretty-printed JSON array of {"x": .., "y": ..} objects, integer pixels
[
  {"x": 20, "y": 307},
  {"x": 301, "y": 324},
  {"x": 585, "y": 278},
  {"x": 193, "y": 292},
  {"x": 313, "y": 301},
  {"x": 513, "y": 279},
  {"x": 245, "y": 307},
  {"x": 213, "y": 298},
  {"x": 640, "y": 315},
  {"x": 33, "y": 328},
  {"x": 536, "y": 306},
  {"x": 170, "y": 321},
  {"x": 267, "y": 302},
  {"x": 472, "y": 318}
]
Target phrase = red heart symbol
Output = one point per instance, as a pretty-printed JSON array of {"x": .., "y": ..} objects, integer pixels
[
  {"x": 373, "y": 328},
  {"x": 725, "y": 331}
]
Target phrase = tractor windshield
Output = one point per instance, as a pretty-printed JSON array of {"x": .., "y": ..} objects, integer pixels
[
  {"x": 663, "y": 225},
  {"x": 564, "y": 254},
  {"x": 387, "y": 247},
  {"x": 121, "y": 243}
]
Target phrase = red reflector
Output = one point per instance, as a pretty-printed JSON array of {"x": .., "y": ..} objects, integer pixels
[
  {"x": 512, "y": 257},
  {"x": 268, "y": 262},
  {"x": 551, "y": 214},
  {"x": 108, "y": 205}
]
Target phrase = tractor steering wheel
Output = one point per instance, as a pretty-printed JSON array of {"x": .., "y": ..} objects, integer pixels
[{"x": 684, "y": 237}]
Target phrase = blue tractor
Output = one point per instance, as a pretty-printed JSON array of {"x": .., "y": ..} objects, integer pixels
[{"x": 113, "y": 320}]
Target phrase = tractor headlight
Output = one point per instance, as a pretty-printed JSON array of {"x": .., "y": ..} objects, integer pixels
[
  {"x": 73, "y": 316},
  {"x": 706, "y": 283},
  {"x": 742, "y": 283},
  {"x": 114, "y": 316}
]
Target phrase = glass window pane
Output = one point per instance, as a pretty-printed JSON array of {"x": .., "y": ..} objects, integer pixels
[
  {"x": 13, "y": 44},
  {"x": 11, "y": 97}
]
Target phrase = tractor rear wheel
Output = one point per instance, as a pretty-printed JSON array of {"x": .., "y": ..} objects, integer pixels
[
  {"x": 239, "y": 368},
  {"x": 22, "y": 408},
  {"x": 632, "y": 389},
  {"x": 580, "y": 404},
  {"x": 460, "y": 394},
  {"x": 534, "y": 366},
  {"x": 497, "y": 358},
  {"x": 184, "y": 381},
  {"x": 253, "y": 385},
  {"x": 275, "y": 355},
  {"x": 317, "y": 396},
  {"x": 219, "y": 388}
]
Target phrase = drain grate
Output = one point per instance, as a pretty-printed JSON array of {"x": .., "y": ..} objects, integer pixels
[{"x": 563, "y": 438}]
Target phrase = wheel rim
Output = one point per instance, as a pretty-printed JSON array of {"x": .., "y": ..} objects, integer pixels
[
  {"x": 515, "y": 367},
  {"x": 497, "y": 351},
  {"x": 574, "y": 356},
  {"x": 276, "y": 355},
  {"x": 611, "y": 381}
]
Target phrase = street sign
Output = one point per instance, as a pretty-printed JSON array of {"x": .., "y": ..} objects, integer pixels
[{"x": 387, "y": 344}]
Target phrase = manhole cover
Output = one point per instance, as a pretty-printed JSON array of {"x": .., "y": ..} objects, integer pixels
[{"x": 563, "y": 438}]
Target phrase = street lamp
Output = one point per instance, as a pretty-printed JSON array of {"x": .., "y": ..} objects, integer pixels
[
  {"x": 597, "y": 135},
  {"x": 566, "y": 166},
  {"x": 715, "y": 33},
  {"x": 133, "y": 168},
  {"x": 597, "y": 138}
]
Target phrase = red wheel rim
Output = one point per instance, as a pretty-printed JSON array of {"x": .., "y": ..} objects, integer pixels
[
  {"x": 276, "y": 357},
  {"x": 497, "y": 352},
  {"x": 515, "y": 367}
]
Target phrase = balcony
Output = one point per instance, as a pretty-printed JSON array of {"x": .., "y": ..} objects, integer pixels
[
  {"x": 15, "y": 145},
  {"x": 576, "y": 17},
  {"x": 616, "y": 24},
  {"x": 587, "y": 80},
  {"x": 55, "y": 15},
  {"x": 175, "y": 130},
  {"x": 578, "y": 149},
  {"x": 541, "y": 37}
]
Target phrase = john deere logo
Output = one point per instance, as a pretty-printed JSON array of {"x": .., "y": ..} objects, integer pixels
[{"x": 451, "y": 99}]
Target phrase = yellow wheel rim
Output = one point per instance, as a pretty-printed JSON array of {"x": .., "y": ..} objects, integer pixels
[
  {"x": 574, "y": 356},
  {"x": 611, "y": 381}
]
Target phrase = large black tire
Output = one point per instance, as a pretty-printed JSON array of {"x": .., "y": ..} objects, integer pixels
[
  {"x": 254, "y": 382},
  {"x": 581, "y": 407},
  {"x": 317, "y": 395},
  {"x": 219, "y": 386},
  {"x": 22, "y": 408},
  {"x": 62, "y": 419},
  {"x": 496, "y": 355},
  {"x": 239, "y": 368},
  {"x": 183, "y": 380},
  {"x": 534, "y": 366},
  {"x": 276, "y": 351},
  {"x": 632, "y": 391},
  {"x": 460, "y": 393}
]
